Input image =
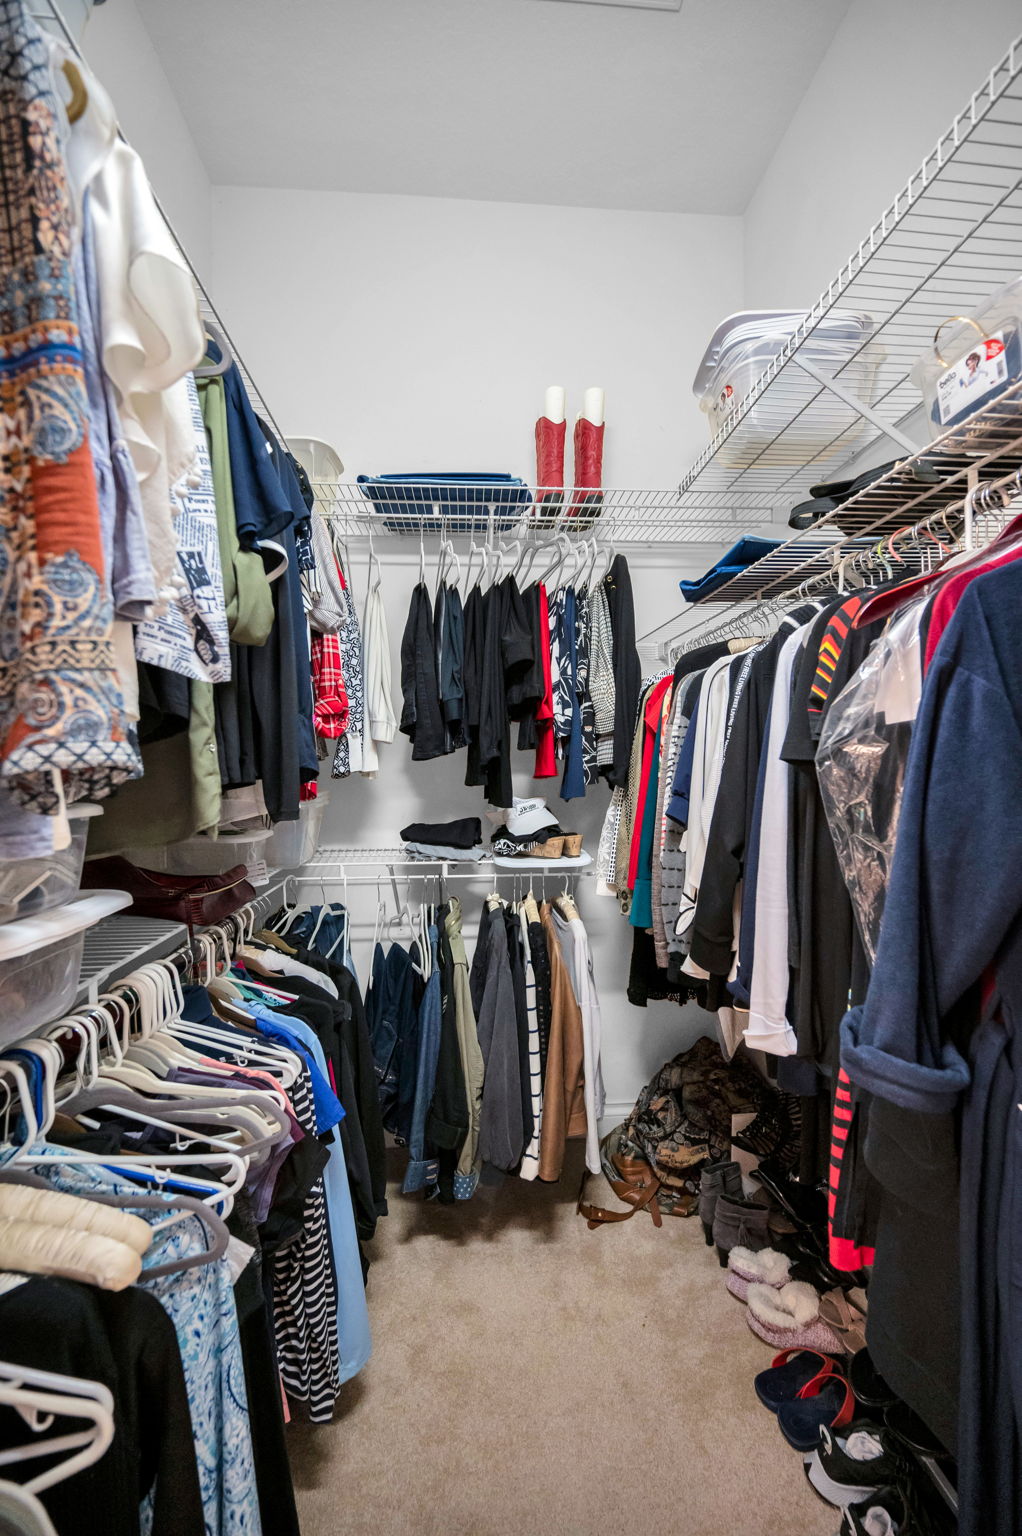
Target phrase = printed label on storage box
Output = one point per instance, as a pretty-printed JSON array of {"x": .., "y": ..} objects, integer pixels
[{"x": 972, "y": 377}]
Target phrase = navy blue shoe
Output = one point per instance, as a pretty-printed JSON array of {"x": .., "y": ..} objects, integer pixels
[
  {"x": 801, "y": 1420},
  {"x": 792, "y": 1370}
]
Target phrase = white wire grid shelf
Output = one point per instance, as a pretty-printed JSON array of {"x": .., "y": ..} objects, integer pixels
[
  {"x": 980, "y": 514},
  {"x": 333, "y": 863},
  {"x": 985, "y": 448},
  {"x": 951, "y": 237},
  {"x": 117, "y": 945},
  {"x": 619, "y": 516}
]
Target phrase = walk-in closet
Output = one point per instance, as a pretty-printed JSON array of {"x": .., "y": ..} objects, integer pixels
[{"x": 510, "y": 767}]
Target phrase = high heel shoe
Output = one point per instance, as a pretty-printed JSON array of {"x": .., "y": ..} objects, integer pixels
[
  {"x": 716, "y": 1179},
  {"x": 551, "y": 849},
  {"x": 739, "y": 1221}
]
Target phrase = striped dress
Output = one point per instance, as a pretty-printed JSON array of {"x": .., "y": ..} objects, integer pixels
[
  {"x": 530, "y": 1158},
  {"x": 305, "y": 1292}
]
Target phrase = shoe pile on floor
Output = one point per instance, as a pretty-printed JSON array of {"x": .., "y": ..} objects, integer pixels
[{"x": 861, "y": 1445}]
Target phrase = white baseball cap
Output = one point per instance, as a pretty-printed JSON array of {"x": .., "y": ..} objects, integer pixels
[{"x": 527, "y": 816}]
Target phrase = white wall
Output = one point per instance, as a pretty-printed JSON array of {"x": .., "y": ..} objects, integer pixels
[
  {"x": 894, "y": 76},
  {"x": 119, "y": 49},
  {"x": 420, "y": 333}
]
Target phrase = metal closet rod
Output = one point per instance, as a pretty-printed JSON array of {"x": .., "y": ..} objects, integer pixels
[{"x": 54, "y": 13}]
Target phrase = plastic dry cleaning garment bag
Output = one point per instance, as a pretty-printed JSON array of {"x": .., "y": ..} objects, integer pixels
[{"x": 860, "y": 764}]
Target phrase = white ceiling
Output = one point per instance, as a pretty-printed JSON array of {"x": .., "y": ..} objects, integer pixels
[{"x": 510, "y": 100}]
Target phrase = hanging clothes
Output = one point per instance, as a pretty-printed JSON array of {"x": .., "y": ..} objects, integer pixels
[
  {"x": 528, "y": 916},
  {"x": 466, "y": 1175},
  {"x": 421, "y": 717},
  {"x": 448, "y": 1121},
  {"x": 546, "y": 759},
  {"x": 617, "y": 585},
  {"x": 564, "y": 1094},
  {"x": 423, "y": 1171},
  {"x": 60, "y": 702},
  {"x": 380, "y": 723},
  {"x": 601, "y": 681},
  {"x": 449, "y": 640},
  {"x": 578, "y": 963},
  {"x": 573, "y": 783},
  {"x": 210, "y": 1357},
  {"x": 191, "y": 636},
  {"x": 587, "y": 713},
  {"x": 501, "y": 1125},
  {"x": 348, "y": 757}
]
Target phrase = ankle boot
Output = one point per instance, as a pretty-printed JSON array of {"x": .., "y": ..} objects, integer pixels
[
  {"x": 717, "y": 1179},
  {"x": 737, "y": 1220},
  {"x": 550, "y": 437}
]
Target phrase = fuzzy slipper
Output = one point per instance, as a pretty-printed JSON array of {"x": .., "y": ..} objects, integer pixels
[
  {"x": 737, "y": 1285},
  {"x": 765, "y": 1267},
  {"x": 789, "y": 1318}
]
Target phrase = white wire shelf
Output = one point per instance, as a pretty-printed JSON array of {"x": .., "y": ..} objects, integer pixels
[
  {"x": 118, "y": 945},
  {"x": 951, "y": 237},
  {"x": 525, "y": 512},
  {"x": 987, "y": 447},
  {"x": 332, "y": 863}
]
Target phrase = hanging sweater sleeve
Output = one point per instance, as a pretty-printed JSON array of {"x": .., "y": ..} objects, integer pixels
[{"x": 713, "y": 935}]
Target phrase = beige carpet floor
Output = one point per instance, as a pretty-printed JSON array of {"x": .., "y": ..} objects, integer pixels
[{"x": 533, "y": 1378}]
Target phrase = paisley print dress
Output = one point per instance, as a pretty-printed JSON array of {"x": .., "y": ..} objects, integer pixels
[{"x": 60, "y": 702}]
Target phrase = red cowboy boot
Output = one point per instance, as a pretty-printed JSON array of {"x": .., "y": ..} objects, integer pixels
[
  {"x": 549, "y": 465},
  {"x": 588, "y": 468}
]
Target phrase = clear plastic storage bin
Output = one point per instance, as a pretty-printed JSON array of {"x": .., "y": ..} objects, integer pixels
[
  {"x": 743, "y": 347},
  {"x": 973, "y": 359},
  {"x": 41, "y": 959},
  {"x": 209, "y": 855},
  {"x": 294, "y": 842},
  {"x": 28, "y": 886}
]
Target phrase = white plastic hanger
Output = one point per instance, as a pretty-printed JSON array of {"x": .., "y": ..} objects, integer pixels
[{"x": 40, "y": 1397}]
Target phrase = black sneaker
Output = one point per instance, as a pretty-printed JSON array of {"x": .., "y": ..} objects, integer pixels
[
  {"x": 886, "y": 1512},
  {"x": 851, "y": 1463}
]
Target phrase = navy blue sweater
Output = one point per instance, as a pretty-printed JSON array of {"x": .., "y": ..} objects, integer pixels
[{"x": 955, "y": 896}]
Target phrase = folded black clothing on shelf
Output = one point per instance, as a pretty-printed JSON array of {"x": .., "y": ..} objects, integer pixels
[{"x": 465, "y": 833}]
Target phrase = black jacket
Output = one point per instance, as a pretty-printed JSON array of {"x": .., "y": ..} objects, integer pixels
[
  {"x": 447, "y": 1121},
  {"x": 421, "y": 716},
  {"x": 626, "y": 667}
]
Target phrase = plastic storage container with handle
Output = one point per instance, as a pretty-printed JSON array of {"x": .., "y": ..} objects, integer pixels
[
  {"x": 41, "y": 960},
  {"x": 741, "y": 349},
  {"x": 294, "y": 842},
  {"x": 209, "y": 855},
  {"x": 35, "y": 885}
]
